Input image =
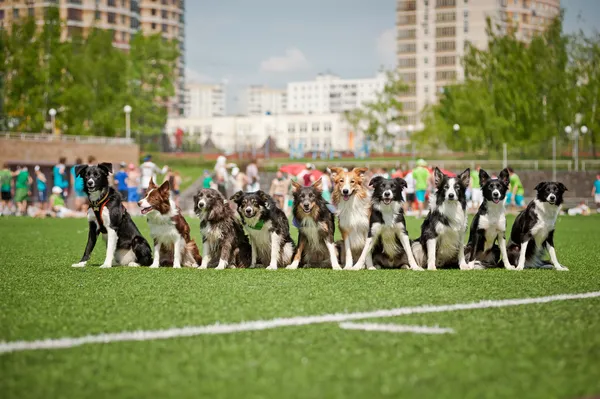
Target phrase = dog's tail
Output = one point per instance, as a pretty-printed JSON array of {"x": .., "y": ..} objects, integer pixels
[
  {"x": 418, "y": 252},
  {"x": 192, "y": 249},
  {"x": 142, "y": 251}
]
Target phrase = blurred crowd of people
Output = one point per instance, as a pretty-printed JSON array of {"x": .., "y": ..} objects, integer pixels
[{"x": 60, "y": 193}]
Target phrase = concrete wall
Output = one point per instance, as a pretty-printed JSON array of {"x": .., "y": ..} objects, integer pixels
[{"x": 14, "y": 150}]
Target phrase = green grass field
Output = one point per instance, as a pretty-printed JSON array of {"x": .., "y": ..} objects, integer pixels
[{"x": 549, "y": 350}]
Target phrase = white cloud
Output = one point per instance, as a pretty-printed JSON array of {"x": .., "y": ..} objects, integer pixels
[
  {"x": 386, "y": 47},
  {"x": 293, "y": 60},
  {"x": 193, "y": 76}
]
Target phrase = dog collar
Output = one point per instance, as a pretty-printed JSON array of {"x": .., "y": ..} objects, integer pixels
[
  {"x": 257, "y": 226},
  {"x": 96, "y": 205}
]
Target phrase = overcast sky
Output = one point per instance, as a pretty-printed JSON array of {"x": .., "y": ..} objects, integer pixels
[{"x": 272, "y": 42}]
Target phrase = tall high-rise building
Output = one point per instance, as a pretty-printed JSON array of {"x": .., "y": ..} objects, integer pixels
[
  {"x": 205, "y": 100},
  {"x": 261, "y": 100},
  {"x": 123, "y": 17},
  {"x": 432, "y": 36}
]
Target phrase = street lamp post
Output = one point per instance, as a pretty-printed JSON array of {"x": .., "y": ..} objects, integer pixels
[
  {"x": 52, "y": 113},
  {"x": 574, "y": 134},
  {"x": 127, "y": 109}
]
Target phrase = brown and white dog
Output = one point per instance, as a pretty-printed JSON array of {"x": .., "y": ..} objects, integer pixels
[
  {"x": 353, "y": 207},
  {"x": 171, "y": 233}
]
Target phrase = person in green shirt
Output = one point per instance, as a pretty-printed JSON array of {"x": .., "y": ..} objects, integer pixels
[
  {"x": 476, "y": 195},
  {"x": 207, "y": 182},
  {"x": 421, "y": 175},
  {"x": 6, "y": 187},
  {"x": 517, "y": 191},
  {"x": 22, "y": 191}
]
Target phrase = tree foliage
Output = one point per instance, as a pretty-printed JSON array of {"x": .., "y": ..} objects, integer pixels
[{"x": 86, "y": 79}]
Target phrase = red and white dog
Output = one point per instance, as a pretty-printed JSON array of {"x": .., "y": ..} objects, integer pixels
[
  {"x": 353, "y": 207},
  {"x": 171, "y": 233}
]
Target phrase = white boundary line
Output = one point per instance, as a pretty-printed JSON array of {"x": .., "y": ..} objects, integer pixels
[
  {"x": 395, "y": 328},
  {"x": 258, "y": 325}
]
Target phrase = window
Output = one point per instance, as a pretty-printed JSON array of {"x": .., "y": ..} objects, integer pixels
[
  {"x": 123, "y": 20},
  {"x": 445, "y": 75},
  {"x": 153, "y": 26},
  {"x": 303, "y": 127},
  {"x": 315, "y": 126},
  {"x": 74, "y": 14},
  {"x": 291, "y": 128},
  {"x": 407, "y": 48},
  {"x": 15, "y": 13},
  {"x": 165, "y": 28},
  {"x": 153, "y": 11},
  {"x": 426, "y": 46},
  {"x": 97, "y": 15},
  {"x": 426, "y": 75},
  {"x": 445, "y": 3},
  {"x": 407, "y": 63},
  {"x": 407, "y": 34},
  {"x": 30, "y": 12},
  {"x": 466, "y": 14},
  {"x": 1, "y": 14},
  {"x": 445, "y": 31},
  {"x": 445, "y": 60},
  {"x": 426, "y": 89},
  {"x": 407, "y": 6},
  {"x": 466, "y": 27},
  {"x": 327, "y": 126},
  {"x": 409, "y": 106},
  {"x": 426, "y": 60},
  {"x": 123, "y": 36},
  {"x": 408, "y": 77},
  {"x": 445, "y": 46},
  {"x": 111, "y": 3},
  {"x": 111, "y": 17},
  {"x": 164, "y": 14},
  {"x": 445, "y": 17}
]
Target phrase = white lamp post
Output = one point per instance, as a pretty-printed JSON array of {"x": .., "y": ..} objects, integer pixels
[
  {"x": 456, "y": 127},
  {"x": 574, "y": 134},
  {"x": 52, "y": 113},
  {"x": 127, "y": 110}
]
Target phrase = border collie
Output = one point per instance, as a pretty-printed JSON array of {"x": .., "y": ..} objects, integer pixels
[
  {"x": 316, "y": 228},
  {"x": 223, "y": 240},
  {"x": 267, "y": 227},
  {"x": 489, "y": 224},
  {"x": 107, "y": 215},
  {"x": 443, "y": 230},
  {"x": 168, "y": 228},
  {"x": 533, "y": 230},
  {"x": 387, "y": 240},
  {"x": 353, "y": 204}
]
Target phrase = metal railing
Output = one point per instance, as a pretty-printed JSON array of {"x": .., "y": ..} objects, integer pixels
[
  {"x": 590, "y": 164},
  {"x": 43, "y": 137}
]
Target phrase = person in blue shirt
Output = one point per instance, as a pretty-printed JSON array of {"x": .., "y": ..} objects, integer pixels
[
  {"x": 596, "y": 192},
  {"x": 77, "y": 184},
  {"x": 121, "y": 181},
  {"x": 59, "y": 174},
  {"x": 42, "y": 188}
]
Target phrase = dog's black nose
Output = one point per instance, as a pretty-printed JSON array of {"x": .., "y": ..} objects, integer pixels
[
  {"x": 387, "y": 194},
  {"x": 90, "y": 183},
  {"x": 451, "y": 195},
  {"x": 345, "y": 191},
  {"x": 248, "y": 211},
  {"x": 552, "y": 197}
]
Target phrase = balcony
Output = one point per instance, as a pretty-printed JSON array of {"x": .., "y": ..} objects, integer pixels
[{"x": 407, "y": 6}]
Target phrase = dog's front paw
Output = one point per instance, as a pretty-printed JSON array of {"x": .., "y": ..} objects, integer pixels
[
  {"x": 336, "y": 267},
  {"x": 417, "y": 268},
  {"x": 371, "y": 267},
  {"x": 272, "y": 267},
  {"x": 349, "y": 265},
  {"x": 154, "y": 265},
  {"x": 203, "y": 265},
  {"x": 80, "y": 264},
  {"x": 561, "y": 268},
  {"x": 358, "y": 266},
  {"x": 106, "y": 266},
  {"x": 177, "y": 266},
  {"x": 292, "y": 266},
  {"x": 465, "y": 266},
  {"x": 431, "y": 267},
  {"x": 133, "y": 264}
]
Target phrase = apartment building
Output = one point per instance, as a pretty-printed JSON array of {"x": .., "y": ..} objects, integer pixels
[
  {"x": 432, "y": 36},
  {"x": 329, "y": 93},
  {"x": 261, "y": 100},
  {"x": 205, "y": 100},
  {"x": 123, "y": 17}
]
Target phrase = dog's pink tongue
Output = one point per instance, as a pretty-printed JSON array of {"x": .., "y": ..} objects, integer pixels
[{"x": 346, "y": 197}]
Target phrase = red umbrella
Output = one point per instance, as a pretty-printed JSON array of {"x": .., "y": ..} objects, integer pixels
[{"x": 293, "y": 168}]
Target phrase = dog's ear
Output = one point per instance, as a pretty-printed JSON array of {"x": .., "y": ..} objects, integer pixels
[
  {"x": 266, "y": 198},
  {"x": 296, "y": 186},
  {"x": 318, "y": 185},
  {"x": 401, "y": 183},
  {"x": 375, "y": 181},
  {"x": 335, "y": 171},
  {"x": 80, "y": 170},
  {"x": 504, "y": 177},
  {"x": 438, "y": 176},
  {"x": 540, "y": 185},
  {"x": 165, "y": 187},
  {"x": 465, "y": 177},
  {"x": 151, "y": 185},
  {"x": 360, "y": 171},
  {"x": 237, "y": 197},
  {"x": 483, "y": 177},
  {"x": 562, "y": 187},
  {"x": 106, "y": 166}
]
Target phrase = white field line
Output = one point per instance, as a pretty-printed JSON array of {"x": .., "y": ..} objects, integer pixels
[
  {"x": 258, "y": 325},
  {"x": 396, "y": 328}
]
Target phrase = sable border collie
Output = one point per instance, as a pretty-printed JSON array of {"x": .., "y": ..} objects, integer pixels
[
  {"x": 316, "y": 228},
  {"x": 442, "y": 241},
  {"x": 351, "y": 198},
  {"x": 168, "y": 228},
  {"x": 267, "y": 227},
  {"x": 224, "y": 243},
  {"x": 533, "y": 230},
  {"x": 387, "y": 240},
  {"x": 125, "y": 245},
  {"x": 489, "y": 224}
]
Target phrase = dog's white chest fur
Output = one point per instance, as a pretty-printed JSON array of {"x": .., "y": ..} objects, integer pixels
[
  {"x": 494, "y": 223},
  {"x": 310, "y": 228},
  {"x": 162, "y": 227},
  {"x": 448, "y": 239},
  {"x": 260, "y": 239},
  {"x": 212, "y": 234},
  {"x": 354, "y": 218},
  {"x": 547, "y": 215},
  {"x": 388, "y": 230}
]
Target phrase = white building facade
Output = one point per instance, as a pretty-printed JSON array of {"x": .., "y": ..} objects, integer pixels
[
  {"x": 205, "y": 100},
  {"x": 331, "y": 94},
  {"x": 290, "y": 132},
  {"x": 262, "y": 100}
]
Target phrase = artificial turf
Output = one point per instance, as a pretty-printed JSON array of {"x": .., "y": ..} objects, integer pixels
[{"x": 530, "y": 351}]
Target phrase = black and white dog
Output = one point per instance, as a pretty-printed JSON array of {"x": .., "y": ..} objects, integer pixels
[
  {"x": 442, "y": 241},
  {"x": 107, "y": 215},
  {"x": 489, "y": 224},
  {"x": 224, "y": 243},
  {"x": 533, "y": 230},
  {"x": 387, "y": 240},
  {"x": 267, "y": 227}
]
